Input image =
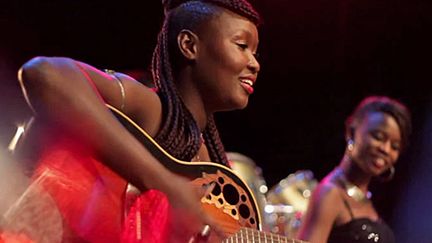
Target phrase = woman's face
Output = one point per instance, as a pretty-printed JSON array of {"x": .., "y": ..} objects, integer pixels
[
  {"x": 377, "y": 143},
  {"x": 226, "y": 68}
]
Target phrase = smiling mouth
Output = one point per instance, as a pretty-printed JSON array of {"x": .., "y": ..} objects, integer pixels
[
  {"x": 247, "y": 81},
  {"x": 379, "y": 163},
  {"x": 247, "y": 85}
]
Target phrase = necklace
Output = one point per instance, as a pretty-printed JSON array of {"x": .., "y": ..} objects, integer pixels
[{"x": 352, "y": 190}]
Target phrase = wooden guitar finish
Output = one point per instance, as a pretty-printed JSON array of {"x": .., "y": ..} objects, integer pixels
[{"x": 231, "y": 202}]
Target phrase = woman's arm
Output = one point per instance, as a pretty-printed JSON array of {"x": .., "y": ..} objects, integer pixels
[
  {"x": 71, "y": 95},
  {"x": 323, "y": 208}
]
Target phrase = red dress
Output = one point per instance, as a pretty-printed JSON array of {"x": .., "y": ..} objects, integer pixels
[{"x": 90, "y": 198}]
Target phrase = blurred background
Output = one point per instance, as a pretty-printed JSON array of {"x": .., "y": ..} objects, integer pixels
[{"x": 319, "y": 58}]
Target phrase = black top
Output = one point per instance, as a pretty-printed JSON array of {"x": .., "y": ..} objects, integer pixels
[{"x": 362, "y": 230}]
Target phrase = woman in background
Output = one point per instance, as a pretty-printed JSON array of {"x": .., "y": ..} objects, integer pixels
[{"x": 340, "y": 209}]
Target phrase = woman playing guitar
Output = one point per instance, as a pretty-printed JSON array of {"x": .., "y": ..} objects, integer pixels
[{"x": 204, "y": 62}]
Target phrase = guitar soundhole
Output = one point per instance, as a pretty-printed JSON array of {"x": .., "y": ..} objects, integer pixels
[
  {"x": 216, "y": 190},
  {"x": 231, "y": 198},
  {"x": 231, "y": 194},
  {"x": 244, "y": 211}
]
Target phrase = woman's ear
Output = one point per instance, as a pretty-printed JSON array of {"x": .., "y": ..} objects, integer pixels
[{"x": 187, "y": 43}]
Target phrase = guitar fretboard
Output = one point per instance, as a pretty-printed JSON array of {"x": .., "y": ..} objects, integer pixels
[{"x": 249, "y": 235}]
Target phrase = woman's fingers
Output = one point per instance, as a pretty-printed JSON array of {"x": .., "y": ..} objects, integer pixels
[{"x": 186, "y": 198}]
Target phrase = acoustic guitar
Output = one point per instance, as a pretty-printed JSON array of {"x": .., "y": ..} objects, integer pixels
[
  {"x": 89, "y": 196},
  {"x": 231, "y": 201}
]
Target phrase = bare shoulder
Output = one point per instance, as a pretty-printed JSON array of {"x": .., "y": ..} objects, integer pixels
[
  {"x": 323, "y": 210},
  {"x": 136, "y": 100},
  {"x": 326, "y": 193},
  {"x": 141, "y": 104},
  {"x": 326, "y": 203}
]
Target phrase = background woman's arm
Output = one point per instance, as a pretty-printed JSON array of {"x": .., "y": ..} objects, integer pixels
[{"x": 321, "y": 214}]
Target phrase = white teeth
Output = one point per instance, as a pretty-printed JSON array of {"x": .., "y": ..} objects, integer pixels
[{"x": 247, "y": 81}]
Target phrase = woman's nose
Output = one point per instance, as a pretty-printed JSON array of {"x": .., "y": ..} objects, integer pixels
[
  {"x": 254, "y": 64},
  {"x": 385, "y": 147}
]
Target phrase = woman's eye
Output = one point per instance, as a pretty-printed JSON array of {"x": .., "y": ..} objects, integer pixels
[
  {"x": 378, "y": 136},
  {"x": 396, "y": 146},
  {"x": 242, "y": 46}
]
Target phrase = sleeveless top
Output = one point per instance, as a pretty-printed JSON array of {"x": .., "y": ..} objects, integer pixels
[{"x": 361, "y": 230}]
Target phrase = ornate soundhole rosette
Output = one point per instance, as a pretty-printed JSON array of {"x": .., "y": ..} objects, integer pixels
[{"x": 232, "y": 199}]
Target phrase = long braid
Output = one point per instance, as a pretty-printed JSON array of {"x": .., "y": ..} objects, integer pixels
[
  {"x": 177, "y": 117},
  {"x": 214, "y": 143},
  {"x": 179, "y": 133}
]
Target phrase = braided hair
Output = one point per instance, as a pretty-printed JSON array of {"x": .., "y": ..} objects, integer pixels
[{"x": 179, "y": 133}]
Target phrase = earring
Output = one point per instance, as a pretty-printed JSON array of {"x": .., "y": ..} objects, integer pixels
[
  {"x": 389, "y": 174},
  {"x": 350, "y": 145}
]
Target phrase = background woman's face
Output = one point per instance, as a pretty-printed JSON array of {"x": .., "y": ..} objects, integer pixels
[
  {"x": 226, "y": 68},
  {"x": 377, "y": 143}
]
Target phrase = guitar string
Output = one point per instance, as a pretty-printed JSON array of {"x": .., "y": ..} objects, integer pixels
[{"x": 260, "y": 235}]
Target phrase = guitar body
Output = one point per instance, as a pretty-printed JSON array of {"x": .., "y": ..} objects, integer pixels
[
  {"x": 231, "y": 203},
  {"x": 151, "y": 219}
]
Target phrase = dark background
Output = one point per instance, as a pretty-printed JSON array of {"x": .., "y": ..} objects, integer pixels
[{"x": 319, "y": 59}]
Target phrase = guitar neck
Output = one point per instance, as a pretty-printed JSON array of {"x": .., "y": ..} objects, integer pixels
[{"x": 256, "y": 236}]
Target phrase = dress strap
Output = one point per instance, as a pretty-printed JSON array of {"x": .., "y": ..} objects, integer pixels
[{"x": 346, "y": 203}]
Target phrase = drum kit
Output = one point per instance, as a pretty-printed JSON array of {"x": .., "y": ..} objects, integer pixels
[{"x": 282, "y": 206}]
